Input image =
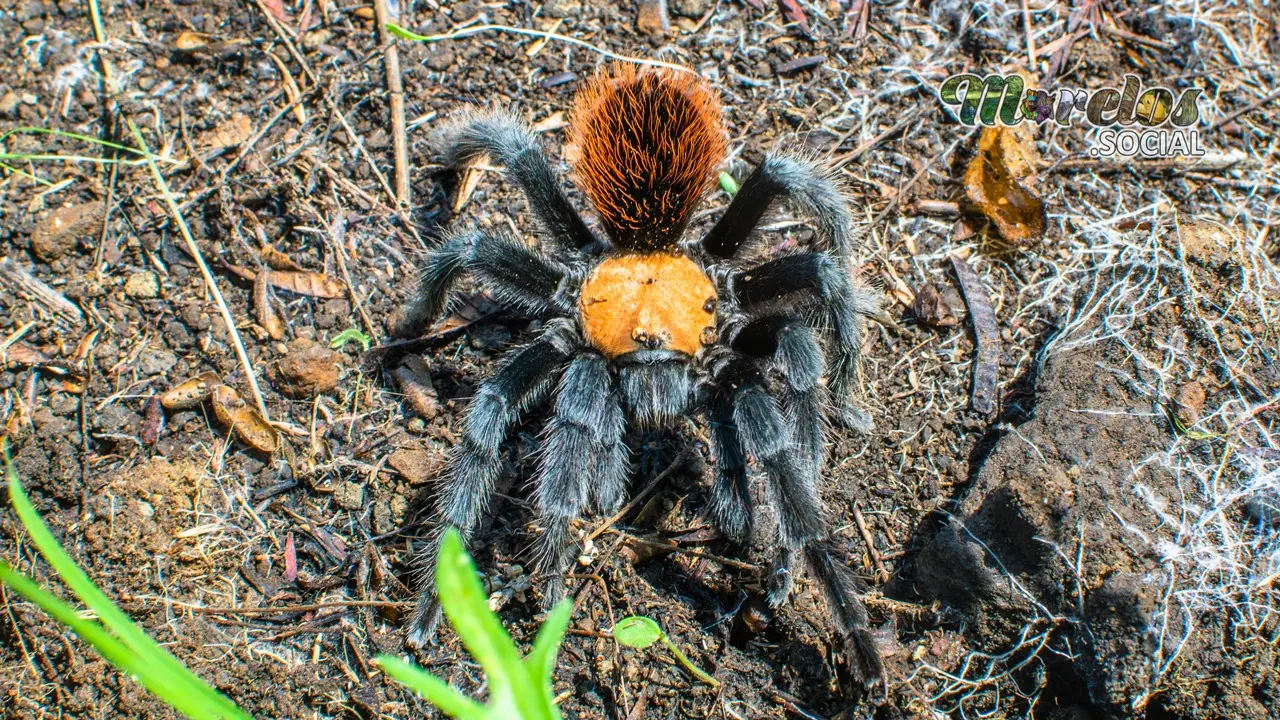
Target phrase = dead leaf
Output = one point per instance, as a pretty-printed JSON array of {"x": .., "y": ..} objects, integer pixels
[
  {"x": 793, "y": 12},
  {"x": 995, "y": 185},
  {"x": 302, "y": 282},
  {"x": 931, "y": 309},
  {"x": 475, "y": 308},
  {"x": 190, "y": 393},
  {"x": 232, "y": 411},
  {"x": 23, "y": 354},
  {"x": 278, "y": 260},
  {"x": 152, "y": 421},
  {"x": 290, "y": 559},
  {"x": 291, "y": 90},
  {"x": 264, "y": 310},
  {"x": 276, "y": 8},
  {"x": 471, "y": 173},
  {"x": 190, "y": 41},
  {"x": 229, "y": 133}
]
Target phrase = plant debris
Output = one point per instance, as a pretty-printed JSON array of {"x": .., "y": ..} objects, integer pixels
[
  {"x": 995, "y": 184},
  {"x": 986, "y": 337}
]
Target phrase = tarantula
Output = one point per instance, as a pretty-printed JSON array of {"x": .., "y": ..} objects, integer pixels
[{"x": 643, "y": 328}]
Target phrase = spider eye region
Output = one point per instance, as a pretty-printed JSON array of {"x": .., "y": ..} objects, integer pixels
[{"x": 648, "y": 301}]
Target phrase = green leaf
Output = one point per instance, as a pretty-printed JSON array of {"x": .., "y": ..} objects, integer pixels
[
  {"x": 467, "y": 606},
  {"x": 174, "y": 673},
  {"x": 347, "y": 336},
  {"x": 637, "y": 631},
  {"x": 541, "y": 660},
  {"x": 433, "y": 689},
  {"x": 151, "y": 676},
  {"x": 728, "y": 184},
  {"x": 400, "y": 32}
]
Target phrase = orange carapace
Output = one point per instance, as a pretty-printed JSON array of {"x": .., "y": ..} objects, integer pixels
[{"x": 648, "y": 301}]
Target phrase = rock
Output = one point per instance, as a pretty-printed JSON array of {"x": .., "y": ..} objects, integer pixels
[
  {"x": 561, "y": 8},
  {"x": 156, "y": 363},
  {"x": 1190, "y": 401},
  {"x": 9, "y": 104},
  {"x": 142, "y": 285},
  {"x": 349, "y": 495},
  {"x": 57, "y": 234},
  {"x": 417, "y": 466},
  {"x": 690, "y": 8},
  {"x": 651, "y": 17},
  {"x": 309, "y": 369}
]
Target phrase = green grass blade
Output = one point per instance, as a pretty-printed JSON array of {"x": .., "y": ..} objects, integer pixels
[
  {"x": 401, "y": 32},
  {"x": 433, "y": 689},
  {"x": 28, "y": 130},
  {"x": 112, "y": 617},
  {"x": 151, "y": 676},
  {"x": 467, "y": 606},
  {"x": 541, "y": 661}
]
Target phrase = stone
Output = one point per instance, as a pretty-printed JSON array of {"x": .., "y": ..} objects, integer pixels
[
  {"x": 416, "y": 465},
  {"x": 349, "y": 495},
  {"x": 59, "y": 232},
  {"x": 156, "y": 362},
  {"x": 142, "y": 285},
  {"x": 309, "y": 369}
]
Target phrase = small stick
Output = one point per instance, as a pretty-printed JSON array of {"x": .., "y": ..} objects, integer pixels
[
  {"x": 464, "y": 32},
  {"x": 336, "y": 231},
  {"x": 871, "y": 546},
  {"x": 391, "y": 59},
  {"x": 986, "y": 337},
  {"x": 859, "y": 151},
  {"x": 1031, "y": 40},
  {"x": 1248, "y": 108},
  {"x": 209, "y": 281},
  {"x": 638, "y": 498}
]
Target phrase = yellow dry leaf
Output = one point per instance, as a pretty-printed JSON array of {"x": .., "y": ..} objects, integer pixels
[
  {"x": 229, "y": 133},
  {"x": 995, "y": 185},
  {"x": 231, "y": 410}
]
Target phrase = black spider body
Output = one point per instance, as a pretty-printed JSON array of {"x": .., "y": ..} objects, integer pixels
[{"x": 644, "y": 329}]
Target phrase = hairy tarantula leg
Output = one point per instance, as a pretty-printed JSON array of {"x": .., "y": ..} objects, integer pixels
[
  {"x": 521, "y": 382},
  {"x": 583, "y": 461},
  {"x": 508, "y": 141},
  {"x": 812, "y": 188},
  {"x": 801, "y": 527},
  {"x": 806, "y": 279},
  {"x": 730, "y": 506},
  {"x": 518, "y": 276},
  {"x": 796, "y": 353}
]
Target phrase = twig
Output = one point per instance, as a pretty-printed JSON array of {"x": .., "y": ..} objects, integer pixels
[
  {"x": 409, "y": 35},
  {"x": 871, "y": 144},
  {"x": 395, "y": 88},
  {"x": 337, "y": 229},
  {"x": 871, "y": 546},
  {"x": 1247, "y": 108},
  {"x": 916, "y": 178},
  {"x": 333, "y": 105},
  {"x": 194, "y": 250},
  {"x": 39, "y": 291},
  {"x": 653, "y": 485},
  {"x": 1031, "y": 40}
]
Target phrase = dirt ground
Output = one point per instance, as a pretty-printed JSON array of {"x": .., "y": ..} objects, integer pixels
[{"x": 1106, "y": 543}]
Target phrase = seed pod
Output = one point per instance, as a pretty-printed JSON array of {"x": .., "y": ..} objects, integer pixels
[{"x": 190, "y": 393}]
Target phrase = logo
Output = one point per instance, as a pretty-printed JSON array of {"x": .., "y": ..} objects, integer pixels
[{"x": 1130, "y": 121}]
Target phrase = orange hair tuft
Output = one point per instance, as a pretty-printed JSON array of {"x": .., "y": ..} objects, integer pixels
[{"x": 647, "y": 141}]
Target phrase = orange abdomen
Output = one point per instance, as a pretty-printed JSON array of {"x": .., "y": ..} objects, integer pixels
[{"x": 648, "y": 301}]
